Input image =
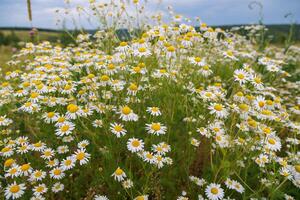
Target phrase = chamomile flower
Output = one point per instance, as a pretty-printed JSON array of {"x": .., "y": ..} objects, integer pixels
[
  {"x": 141, "y": 197},
  {"x": 65, "y": 128},
  {"x": 14, "y": 190},
  {"x": 214, "y": 191},
  {"x": 273, "y": 143},
  {"x": 241, "y": 76},
  {"x": 37, "y": 175},
  {"x": 57, "y": 187},
  {"x": 219, "y": 110},
  {"x": 74, "y": 111},
  {"x": 82, "y": 156},
  {"x": 156, "y": 128},
  {"x": 119, "y": 175},
  {"x": 118, "y": 129},
  {"x": 127, "y": 114},
  {"x": 135, "y": 145},
  {"x": 40, "y": 189},
  {"x": 154, "y": 111},
  {"x": 127, "y": 184},
  {"x": 100, "y": 197},
  {"x": 57, "y": 173},
  {"x": 68, "y": 163}
]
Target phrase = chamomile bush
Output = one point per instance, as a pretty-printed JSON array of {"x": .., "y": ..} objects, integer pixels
[{"x": 170, "y": 112}]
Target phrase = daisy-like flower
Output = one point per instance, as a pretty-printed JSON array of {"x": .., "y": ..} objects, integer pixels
[
  {"x": 40, "y": 189},
  {"x": 14, "y": 171},
  {"x": 14, "y": 190},
  {"x": 127, "y": 184},
  {"x": 47, "y": 153},
  {"x": 197, "y": 181},
  {"x": 256, "y": 81},
  {"x": 127, "y": 114},
  {"x": 117, "y": 129},
  {"x": 219, "y": 110},
  {"x": 205, "y": 70},
  {"x": 65, "y": 129},
  {"x": 238, "y": 187},
  {"x": 68, "y": 163},
  {"x": 37, "y": 175},
  {"x": 83, "y": 144},
  {"x": 154, "y": 111},
  {"x": 260, "y": 103},
  {"x": 5, "y": 121},
  {"x": 135, "y": 145},
  {"x": 100, "y": 197},
  {"x": 141, "y": 197},
  {"x": 57, "y": 187},
  {"x": 214, "y": 191},
  {"x": 25, "y": 169},
  {"x": 132, "y": 89},
  {"x": 57, "y": 173},
  {"x": 73, "y": 111},
  {"x": 229, "y": 54},
  {"x": 123, "y": 47},
  {"x": 119, "y": 174},
  {"x": 97, "y": 123},
  {"x": 148, "y": 157},
  {"x": 62, "y": 149},
  {"x": 273, "y": 143},
  {"x": 7, "y": 151},
  {"x": 82, "y": 156},
  {"x": 241, "y": 76},
  {"x": 50, "y": 117},
  {"x": 39, "y": 146},
  {"x": 156, "y": 128},
  {"x": 197, "y": 61},
  {"x": 142, "y": 52}
]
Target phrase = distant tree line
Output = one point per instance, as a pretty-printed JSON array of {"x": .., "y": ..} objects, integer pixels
[{"x": 279, "y": 34}]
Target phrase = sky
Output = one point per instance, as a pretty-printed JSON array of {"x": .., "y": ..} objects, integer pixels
[{"x": 13, "y": 13}]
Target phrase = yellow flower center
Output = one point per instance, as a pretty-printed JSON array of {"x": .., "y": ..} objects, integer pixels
[
  {"x": 40, "y": 189},
  {"x": 133, "y": 87},
  {"x": 197, "y": 59},
  {"x": 123, "y": 44},
  {"x": 171, "y": 49},
  {"x": 155, "y": 126},
  {"x": 72, "y": 108},
  {"x": 25, "y": 167},
  {"x": 126, "y": 110},
  {"x": 142, "y": 49},
  {"x": 9, "y": 162},
  {"x": 65, "y": 128},
  {"x": 297, "y": 168},
  {"x": 68, "y": 162},
  {"x": 80, "y": 156},
  {"x": 218, "y": 107},
  {"x": 241, "y": 76},
  {"x": 118, "y": 128},
  {"x": 261, "y": 104},
  {"x": 104, "y": 78},
  {"x": 14, "y": 189},
  {"x": 50, "y": 114},
  {"x": 57, "y": 172},
  {"x": 38, "y": 174},
  {"x": 34, "y": 95},
  {"x": 214, "y": 190},
  {"x": 271, "y": 141},
  {"x": 119, "y": 171},
  {"x": 135, "y": 143}
]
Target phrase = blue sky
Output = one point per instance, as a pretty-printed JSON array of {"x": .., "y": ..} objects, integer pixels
[{"x": 13, "y": 13}]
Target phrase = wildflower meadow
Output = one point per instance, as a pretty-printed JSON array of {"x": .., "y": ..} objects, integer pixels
[{"x": 171, "y": 111}]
